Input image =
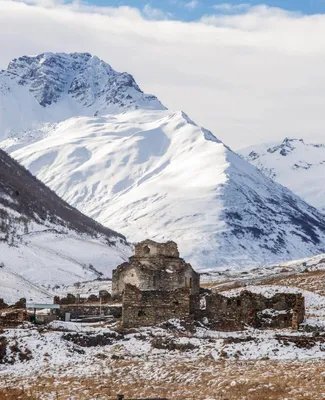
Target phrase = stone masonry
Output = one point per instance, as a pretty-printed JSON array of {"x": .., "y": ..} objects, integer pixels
[
  {"x": 156, "y": 266},
  {"x": 284, "y": 310},
  {"x": 156, "y": 285},
  {"x": 151, "y": 307}
]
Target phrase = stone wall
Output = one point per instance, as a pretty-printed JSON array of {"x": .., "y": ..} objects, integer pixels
[
  {"x": 146, "y": 308},
  {"x": 172, "y": 275},
  {"x": 103, "y": 297},
  {"x": 284, "y": 310},
  {"x": 149, "y": 248},
  {"x": 21, "y": 303},
  {"x": 89, "y": 310}
]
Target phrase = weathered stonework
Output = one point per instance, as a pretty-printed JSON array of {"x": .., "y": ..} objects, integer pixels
[
  {"x": 103, "y": 298},
  {"x": 155, "y": 285},
  {"x": 90, "y": 310},
  {"x": 92, "y": 305},
  {"x": 156, "y": 266},
  {"x": 151, "y": 307},
  {"x": 284, "y": 310}
]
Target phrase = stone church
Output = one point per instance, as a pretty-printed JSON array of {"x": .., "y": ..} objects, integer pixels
[{"x": 155, "y": 285}]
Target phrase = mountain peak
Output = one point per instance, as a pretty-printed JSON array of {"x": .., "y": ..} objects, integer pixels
[
  {"x": 288, "y": 140},
  {"x": 294, "y": 163},
  {"x": 286, "y": 147},
  {"x": 81, "y": 78}
]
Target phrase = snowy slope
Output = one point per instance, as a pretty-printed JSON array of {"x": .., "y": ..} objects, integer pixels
[
  {"x": 45, "y": 242},
  {"x": 295, "y": 164},
  {"x": 157, "y": 174},
  {"x": 52, "y": 87},
  {"x": 120, "y": 157}
]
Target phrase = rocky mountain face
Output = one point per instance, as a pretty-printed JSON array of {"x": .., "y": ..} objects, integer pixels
[
  {"x": 294, "y": 163},
  {"x": 57, "y": 86},
  {"x": 150, "y": 172}
]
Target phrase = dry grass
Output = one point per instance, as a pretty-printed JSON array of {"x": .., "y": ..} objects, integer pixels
[
  {"x": 312, "y": 281},
  {"x": 200, "y": 379}
]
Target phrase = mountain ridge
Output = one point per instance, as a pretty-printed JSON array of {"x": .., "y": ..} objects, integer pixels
[
  {"x": 152, "y": 172},
  {"x": 295, "y": 163}
]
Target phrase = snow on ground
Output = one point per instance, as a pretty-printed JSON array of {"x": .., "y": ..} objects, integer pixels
[
  {"x": 164, "y": 353},
  {"x": 46, "y": 260},
  {"x": 53, "y": 353}
]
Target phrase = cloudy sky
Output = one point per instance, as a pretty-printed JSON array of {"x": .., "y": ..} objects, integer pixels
[{"x": 250, "y": 72}]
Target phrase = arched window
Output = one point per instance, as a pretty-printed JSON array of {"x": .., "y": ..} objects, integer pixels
[{"x": 146, "y": 250}]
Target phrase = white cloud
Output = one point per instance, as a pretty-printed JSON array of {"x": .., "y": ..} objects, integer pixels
[
  {"x": 250, "y": 77},
  {"x": 155, "y": 13},
  {"x": 192, "y": 4},
  {"x": 229, "y": 7}
]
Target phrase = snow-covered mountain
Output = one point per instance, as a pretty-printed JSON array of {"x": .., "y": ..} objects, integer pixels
[
  {"x": 44, "y": 241},
  {"x": 294, "y": 163},
  {"x": 53, "y": 87},
  {"x": 150, "y": 172},
  {"x": 157, "y": 174}
]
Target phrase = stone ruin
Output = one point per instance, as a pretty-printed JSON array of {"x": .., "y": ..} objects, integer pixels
[
  {"x": 156, "y": 285},
  {"x": 12, "y": 315},
  {"x": 152, "y": 307},
  {"x": 155, "y": 266},
  {"x": 283, "y": 310},
  {"x": 91, "y": 306}
]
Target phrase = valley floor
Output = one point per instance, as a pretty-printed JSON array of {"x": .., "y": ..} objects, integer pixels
[
  {"x": 182, "y": 380},
  {"x": 176, "y": 360}
]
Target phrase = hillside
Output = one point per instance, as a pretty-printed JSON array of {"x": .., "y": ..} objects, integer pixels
[
  {"x": 45, "y": 242},
  {"x": 157, "y": 174}
]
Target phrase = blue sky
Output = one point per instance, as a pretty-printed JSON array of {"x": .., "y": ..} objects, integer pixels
[{"x": 179, "y": 10}]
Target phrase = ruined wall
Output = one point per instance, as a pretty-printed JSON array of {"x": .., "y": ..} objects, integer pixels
[
  {"x": 103, "y": 297},
  {"x": 21, "y": 303},
  {"x": 146, "y": 308},
  {"x": 88, "y": 306},
  {"x": 162, "y": 275},
  {"x": 283, "y": 310},
  {"x": 88, "y": 310},
  {"x": 149, "y": 248}
]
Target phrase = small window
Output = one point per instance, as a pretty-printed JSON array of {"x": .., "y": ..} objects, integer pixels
[
  {"x": 141, "y": 313},
  {"x": 146, "y": 249},
  {"x": 188, "y": 282},
  {"x": 238, "y": 302}
]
